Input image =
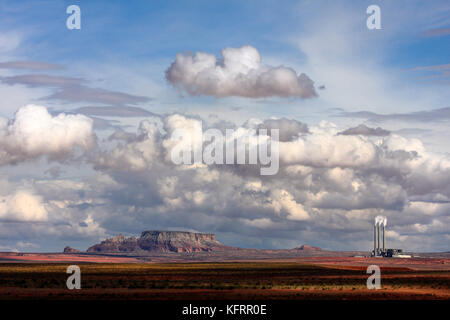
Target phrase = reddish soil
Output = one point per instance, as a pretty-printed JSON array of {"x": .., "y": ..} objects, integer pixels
[
  {"x": 312, "y": 278},
  {"x": 61, "y": 257},
  {"x": 349, "y": 263},
  {"x": 386, "y": 263}
]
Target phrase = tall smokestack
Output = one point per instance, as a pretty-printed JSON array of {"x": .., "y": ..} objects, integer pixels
[
  {"x": 375, "y": 239},
  {"x": 384, "y": 237},
  {"x": 378, "y": 235}
]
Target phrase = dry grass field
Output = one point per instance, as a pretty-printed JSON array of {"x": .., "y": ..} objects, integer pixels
[{"x": 228, "y": 280}]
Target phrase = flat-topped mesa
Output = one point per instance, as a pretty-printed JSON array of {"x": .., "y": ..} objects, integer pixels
[
  {"x": 160, "y": 241},
  {"x": 178, "y": 241},
  {"x": 116, "y": 244}
]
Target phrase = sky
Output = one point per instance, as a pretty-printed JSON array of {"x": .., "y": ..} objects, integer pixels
[{"x": 86, "y": 117}]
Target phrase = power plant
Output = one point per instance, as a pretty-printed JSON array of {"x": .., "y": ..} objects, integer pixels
[{"x": 380, "y": 250}]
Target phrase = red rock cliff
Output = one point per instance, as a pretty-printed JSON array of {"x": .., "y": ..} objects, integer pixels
[{"x": 160, "y": 241}]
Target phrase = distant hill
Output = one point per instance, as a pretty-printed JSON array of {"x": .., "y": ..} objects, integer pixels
[
  {"x": 157, "y": 245},
  {"x": 70, "y": 250},
  {"x": 305, "y": 247}
]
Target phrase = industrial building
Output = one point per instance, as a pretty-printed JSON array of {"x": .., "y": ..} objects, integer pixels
[{"x": 379, "y": 250}]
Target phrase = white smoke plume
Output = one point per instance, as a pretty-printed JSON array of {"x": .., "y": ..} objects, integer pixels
[{"x": 380, "y": 220}]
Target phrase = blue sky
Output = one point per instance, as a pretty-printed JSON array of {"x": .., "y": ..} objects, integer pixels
[
  {"x": 396, "y": 78},
  {"x": 143, "y": 37},
  {"x": 142, "y": 30}
]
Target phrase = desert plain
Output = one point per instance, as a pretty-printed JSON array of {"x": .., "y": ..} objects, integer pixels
[{"x": 206, "y": 276}]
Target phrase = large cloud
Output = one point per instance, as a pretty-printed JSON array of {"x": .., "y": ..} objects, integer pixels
[
  {"x": 239, "y": 73},
  {"x": 33, "y": 133},
  {"x": 22, "y": 205},
  {"x": 327, "y": 191},
  {"x": 327, "y": 183}
]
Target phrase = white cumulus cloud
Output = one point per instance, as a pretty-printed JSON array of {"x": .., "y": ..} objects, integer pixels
[
  {"x": 238, "y": 73},
  {"x": 23, "y": 206},
  {"x": 34, "y": 132}
]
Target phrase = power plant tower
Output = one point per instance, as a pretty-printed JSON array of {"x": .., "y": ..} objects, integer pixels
[
  {"x": 378, "y": 249},
  {"x": 374, "y": 239},
  {"x": 378, "y": 244}
]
